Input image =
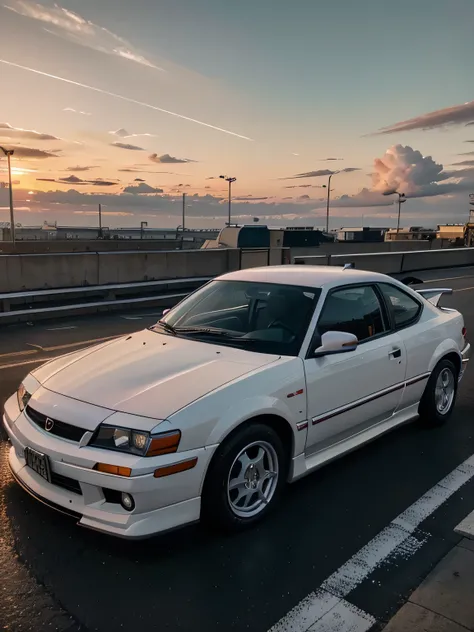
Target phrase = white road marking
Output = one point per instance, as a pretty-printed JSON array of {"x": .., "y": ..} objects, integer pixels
[
  {"x": 456, "y": 278},
  {"x": 464, "y": 289},
  {"x": 61, "y": 328},
  {"x": 70, "y": 345},
  {"x": 19, "y": 353},
  {"x": 12, "y": 366},
  {"x": 132, "y": 317},
  {"x": 393, "y": 541},
  {"x": 344, "y": 617}
]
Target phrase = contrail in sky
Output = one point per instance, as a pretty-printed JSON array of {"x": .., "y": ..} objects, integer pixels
[{"x": 120, "y": 96}]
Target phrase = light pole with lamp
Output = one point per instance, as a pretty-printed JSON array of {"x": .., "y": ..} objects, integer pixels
[
  {"x": 401, "y": 199},
  {"x": 230, "y": 181},
  {"x": 328, "y": 187},
  {"x": 9, "y": 153}
]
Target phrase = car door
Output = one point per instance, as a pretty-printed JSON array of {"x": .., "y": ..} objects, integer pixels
[
  {"x": 349, "y": 392},
  {"x": 419, "y": 340}
]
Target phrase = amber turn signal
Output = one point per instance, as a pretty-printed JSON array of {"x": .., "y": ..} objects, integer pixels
[
  {"x": 167, "y": 470},
  {"x": 113, "y": 469},
  {"x": 164, "y": 443}
]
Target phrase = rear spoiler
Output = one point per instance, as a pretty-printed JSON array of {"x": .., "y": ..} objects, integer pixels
[{"x": 434, "y": 294}]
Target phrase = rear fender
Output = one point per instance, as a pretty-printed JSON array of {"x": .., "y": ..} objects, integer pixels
[{"x": 444, "y": 348}]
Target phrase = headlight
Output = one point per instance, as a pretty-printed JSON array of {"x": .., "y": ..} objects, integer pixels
[
  {"x": 135, "y": 442},
  {"x": 23, "y": 397}
]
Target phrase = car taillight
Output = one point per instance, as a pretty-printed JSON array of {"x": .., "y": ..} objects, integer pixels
[{"x": 464, "y": 332}]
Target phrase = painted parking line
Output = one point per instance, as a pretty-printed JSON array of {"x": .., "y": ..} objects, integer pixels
[
  {"x": 61, "y": 328},
  {"x": 325, "y": 608}
]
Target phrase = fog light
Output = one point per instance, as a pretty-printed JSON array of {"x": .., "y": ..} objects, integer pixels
[{"x": 127, "y": 502}]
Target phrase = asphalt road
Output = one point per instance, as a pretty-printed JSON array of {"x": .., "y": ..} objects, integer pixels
[{"x": 55, "y": 575}]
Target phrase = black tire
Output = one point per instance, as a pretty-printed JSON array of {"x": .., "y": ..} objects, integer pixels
[
  {"x": 217, "y": 510},
  {"x": 429, "y": 412}
]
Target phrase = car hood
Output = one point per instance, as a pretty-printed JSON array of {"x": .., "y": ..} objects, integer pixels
[{"x": 148, "y": 373}]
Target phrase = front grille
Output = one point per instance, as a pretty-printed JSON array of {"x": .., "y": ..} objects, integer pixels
[
  {"x": 59, "y": 428},
  {"x": 66, "y": 483}
]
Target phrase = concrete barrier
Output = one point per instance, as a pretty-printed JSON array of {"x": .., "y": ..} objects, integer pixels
[
  {"x": 254, "y": 259},
  {"x": 445, "y": 258},
  {"x": 319, "y": 260},
  {"x": 387, "y": 263},
  {"x": 25, "y": 272},
  {"x": 68, "y": 270}
]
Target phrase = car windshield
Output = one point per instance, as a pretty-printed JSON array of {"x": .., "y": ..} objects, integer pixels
[{"x": 263, "y": 317}]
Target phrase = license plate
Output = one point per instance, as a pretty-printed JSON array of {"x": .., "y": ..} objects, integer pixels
[{"x": 38, "y": 462}]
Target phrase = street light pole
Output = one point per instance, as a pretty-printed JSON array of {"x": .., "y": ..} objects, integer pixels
[
  {"x": 230, "y": 181},
  {"x": 8, "y": 153},
  {"x": 329, "y": 198},
  {"x": 184, "y": 210},
  {"x": 401, "y": 199},
  {"x": 329, "y": 201},
  {"x": 100, "y": 221}
]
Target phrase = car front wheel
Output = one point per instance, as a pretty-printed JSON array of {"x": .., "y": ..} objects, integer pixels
[
  {"x": 440, "y": 395},
  {"x": 245, "y": 478}
]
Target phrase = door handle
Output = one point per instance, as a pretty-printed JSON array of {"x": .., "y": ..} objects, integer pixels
[{"x": 395, "y": 353}]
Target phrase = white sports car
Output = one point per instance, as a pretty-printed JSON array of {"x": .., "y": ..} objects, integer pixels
[{"x": 254, "y": 380}]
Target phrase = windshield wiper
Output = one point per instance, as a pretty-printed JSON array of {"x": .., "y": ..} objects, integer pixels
[
  {"x": 203, "y": 330},
  {"x": 211, "y": 331},
  {"x": 166, "y": 326}
]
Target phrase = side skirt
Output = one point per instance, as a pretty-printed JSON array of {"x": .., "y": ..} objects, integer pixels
[{"x": 303, "y": 465}]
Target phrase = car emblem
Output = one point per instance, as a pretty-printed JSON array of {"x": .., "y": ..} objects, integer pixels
[{"x": 49, "y": 424}]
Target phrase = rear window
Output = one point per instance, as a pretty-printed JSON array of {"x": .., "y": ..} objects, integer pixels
[{"x": 405, "y": 309}]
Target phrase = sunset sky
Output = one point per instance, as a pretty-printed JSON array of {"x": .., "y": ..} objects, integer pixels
[{"x": 130, "y": 104}]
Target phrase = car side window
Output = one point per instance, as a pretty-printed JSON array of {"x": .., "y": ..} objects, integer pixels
[
  {"x": 355, "y": 310},
  {"x": 405, "y": 309}
]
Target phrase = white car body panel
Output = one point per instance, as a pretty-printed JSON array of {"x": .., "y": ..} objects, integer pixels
[
  {"x": 336, "y": 382},
  {"x": 151, "y": 375},
  {"x": 154, "y": 382}
]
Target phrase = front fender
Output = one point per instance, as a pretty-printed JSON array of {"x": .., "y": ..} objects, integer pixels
[{"x": 247, "y": 409}]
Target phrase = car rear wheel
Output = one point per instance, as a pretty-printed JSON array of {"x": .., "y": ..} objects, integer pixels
[
  {"x": 439, "y": 397},
  {"x": 245, "y": 478}
]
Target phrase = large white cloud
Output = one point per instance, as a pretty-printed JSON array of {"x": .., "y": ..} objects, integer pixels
[{"x": 407, "y": 171}]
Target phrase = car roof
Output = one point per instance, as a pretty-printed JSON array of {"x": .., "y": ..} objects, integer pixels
[{"x": 304, "y": 275}]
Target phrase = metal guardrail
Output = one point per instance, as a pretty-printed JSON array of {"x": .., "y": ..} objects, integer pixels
[{"x": 34, "y": 305}]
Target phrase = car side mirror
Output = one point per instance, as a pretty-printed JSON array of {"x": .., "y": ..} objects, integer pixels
[
  {"x": 165, "y": 311},
  {"x": 333, "y": 342}
]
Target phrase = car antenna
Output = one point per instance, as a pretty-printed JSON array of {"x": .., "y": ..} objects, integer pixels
[{"x": 349, "y": 266}]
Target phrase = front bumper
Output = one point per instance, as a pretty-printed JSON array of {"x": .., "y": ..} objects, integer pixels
[
  {"x": 465, "y": 356},
  {"x": 161, "y": 504}
]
